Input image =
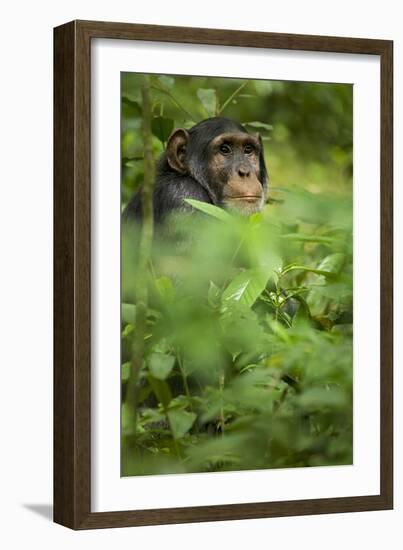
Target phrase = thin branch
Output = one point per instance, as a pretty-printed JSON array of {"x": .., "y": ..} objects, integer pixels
[
  {"x": 232, "y": 96},
  {"x": 217, "y": 103},
  {"x": 174, "y": 101}
]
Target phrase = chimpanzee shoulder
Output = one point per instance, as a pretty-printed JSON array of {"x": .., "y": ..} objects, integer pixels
[{"x": 170, "y": 190}]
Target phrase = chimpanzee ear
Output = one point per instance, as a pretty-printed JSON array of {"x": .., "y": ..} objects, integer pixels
[{"x": 176, "y": 150}]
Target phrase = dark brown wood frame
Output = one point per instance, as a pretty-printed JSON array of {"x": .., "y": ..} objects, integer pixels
[{"x": 72, "y": 290}]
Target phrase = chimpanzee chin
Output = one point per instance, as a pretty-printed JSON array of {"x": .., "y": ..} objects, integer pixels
[{"x": 216, "y": 161}]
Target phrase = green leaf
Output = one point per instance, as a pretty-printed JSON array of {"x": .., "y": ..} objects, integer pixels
[
  {"x": 125, "y": 371},
  {"x": 180, "y": 421},
  {"x": 151, "y": 416},
  {"x": 162, "y": 128},
  {"x": 332, "y": 263},
  {"x": 167, "y": 81},
  {"x": 304, "y": 310},
  {"x": 208, "y": 99},
  {"x": 213, "y": 294},
  {"x": 128, "y": 313},
  {"x": 161, "y": 390},
  {"x": 160, "y": 365},
  {"x": 246, "y": 287},
  {"x": 259, "y": 125},
  {"x": 165, "y": 288},
  {"x": 210, "y": 209},
  {"x": 130, "y": 108},
  {"x": 305, "y": 268},
  {"x": 229, "y": 450},
  {"x": 321, "y": 398},
  {"x": 132, "y": 161},
  {"x": 300, "y": 237},
  {"x": 255, "y": 220},
  {"x": 128, "y": 331}
]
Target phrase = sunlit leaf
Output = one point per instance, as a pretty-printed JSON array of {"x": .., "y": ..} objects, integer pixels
[
  {"x": 246, "y": 287},
  {"x": 213, "y": 294},
  {"x": 332, "y": 263}
]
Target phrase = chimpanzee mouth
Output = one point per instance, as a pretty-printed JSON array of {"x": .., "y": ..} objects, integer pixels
[
  {"x": 244, "y": 204},
  {"x": 247, "y": 198}
]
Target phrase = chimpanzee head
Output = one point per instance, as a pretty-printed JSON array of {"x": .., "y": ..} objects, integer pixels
[{"x": 225, "y": 160}]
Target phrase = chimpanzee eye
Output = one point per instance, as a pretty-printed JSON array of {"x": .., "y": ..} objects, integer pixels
[
  {"x": 225, "y": 149},
  {"x": 248, "y": 149}
]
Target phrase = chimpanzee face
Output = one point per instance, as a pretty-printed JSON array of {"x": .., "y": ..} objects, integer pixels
[
  {"x": 235, "y": 170},
  {"x": 225, "y": 160}
]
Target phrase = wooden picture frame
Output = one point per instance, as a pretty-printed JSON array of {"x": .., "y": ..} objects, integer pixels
[{"x": 72, "y": 272}]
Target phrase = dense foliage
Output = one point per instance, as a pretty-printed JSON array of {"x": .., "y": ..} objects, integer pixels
[{"x": 247, "y": 348}]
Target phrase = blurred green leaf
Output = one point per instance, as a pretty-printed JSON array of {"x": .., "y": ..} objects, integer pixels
[
  {"x": 167, "y": 81},
  {"x": 259, "y": 125},
  {"x": 308, "y": 238},
  {"x": 320, "y": 398},
  {"x": 208, "y": 99},
  {"x": 161, "y": 390},
  {"x": 209, "y": 209},
  {"x": 332, "y": 263},
  {"x": 160, "y": 365},
  {"x": 213, "y": 294},
  {"x": 125, "y": 371},
  {"x": 180, "y": 421},
  {"x": 128, "y": 313},
  {"x": 165, "y": 288},
  {"x": 162, "y": 128},
  {"x": 130, "y": 108},
  {"x": 305, "y": 268}
]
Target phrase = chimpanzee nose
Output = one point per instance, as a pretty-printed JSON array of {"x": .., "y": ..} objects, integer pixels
[{"x": 243, "y": 171}]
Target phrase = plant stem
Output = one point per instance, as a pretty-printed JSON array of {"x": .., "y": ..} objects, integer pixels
[
  {"x": 217, "y": 103},
  {"x": 174, "y": 101},
  {"x": 232, "y": 96},
  {"x": 221, "y": 383},
  {"x": 144, "y": 254},
  {"x": 184, "y": 378}
]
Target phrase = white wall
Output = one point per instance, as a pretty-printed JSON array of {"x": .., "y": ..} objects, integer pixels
[{"x": 26, "y": 247}]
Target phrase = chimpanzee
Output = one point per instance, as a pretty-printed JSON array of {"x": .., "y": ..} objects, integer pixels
[{"x": 217, "y": 161}]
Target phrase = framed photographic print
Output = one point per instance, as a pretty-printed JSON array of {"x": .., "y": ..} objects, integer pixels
[{"x": 222, "y": 275}]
